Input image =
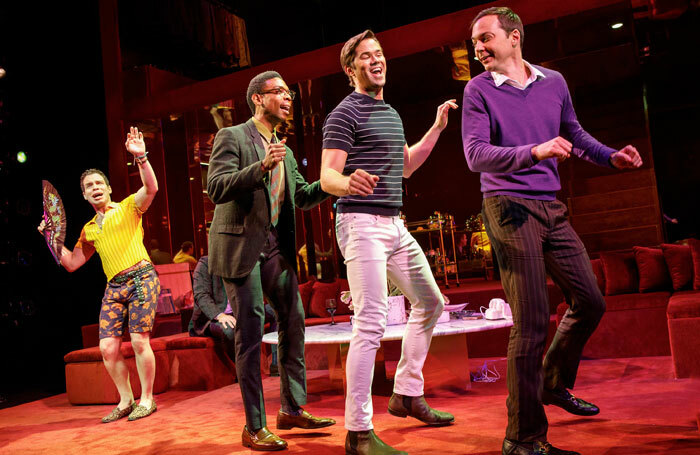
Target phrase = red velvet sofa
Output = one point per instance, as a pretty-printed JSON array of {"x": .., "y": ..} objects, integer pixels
[
  {"x": 653, "y": 305},
  {"x": 182, "y": 363}
]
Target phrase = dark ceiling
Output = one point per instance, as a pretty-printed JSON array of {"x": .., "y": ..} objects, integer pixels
[{"x": 274, "y": 29}]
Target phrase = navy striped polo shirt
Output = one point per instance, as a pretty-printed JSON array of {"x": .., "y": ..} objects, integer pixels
[{"x": 370, "y": 131}]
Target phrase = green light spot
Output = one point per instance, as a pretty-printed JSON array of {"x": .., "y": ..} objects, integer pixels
[{"x": 21, "y": 157}]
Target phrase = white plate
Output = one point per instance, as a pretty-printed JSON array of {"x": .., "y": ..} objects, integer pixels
[{"x": 456, "y": 307}]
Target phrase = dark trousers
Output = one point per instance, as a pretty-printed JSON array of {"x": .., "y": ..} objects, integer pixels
[
  {"x": 532, "y": 238},
  {"x": 274, "y": 278},
  {"x": 225, "y": 336}
]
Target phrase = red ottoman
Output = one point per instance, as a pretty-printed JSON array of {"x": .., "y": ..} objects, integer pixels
[
  {"x": 197, "y": 363},
  {"x": 684, "y": 329},
  {"x": 87, "y": 380}
]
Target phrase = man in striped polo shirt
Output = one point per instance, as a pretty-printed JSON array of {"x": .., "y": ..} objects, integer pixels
[
  {"x": 116, "y": 233},
  {"x": 365, "y": 156}
]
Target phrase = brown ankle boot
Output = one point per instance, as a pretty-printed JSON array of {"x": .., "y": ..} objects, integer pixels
[
  {"x": 402, "y": 406},
  {"x": 368, "y": 443}
]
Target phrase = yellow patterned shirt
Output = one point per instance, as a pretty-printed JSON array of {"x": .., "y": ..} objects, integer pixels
[{"x": 120, "y": 240}]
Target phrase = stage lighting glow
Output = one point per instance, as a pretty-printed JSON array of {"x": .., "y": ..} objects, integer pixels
[
  {"x": 616, "y": 25},
  {"x": 2, "y": 72},
  {"x": 21, "y": 157}
]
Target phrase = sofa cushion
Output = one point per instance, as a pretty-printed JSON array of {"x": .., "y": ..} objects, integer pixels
[
  {"x": 680, "y": 265},
  {"x": 694, "y": 245},
  {"x": 621, "y": 276},
  {"x": 684, "y": 304},
  {"x": 653, "y": 273},
  {"x": 93, "y": 354},
  {"x": 321, "y": 293},
  {"x": 597, "y": 266},
  {"x": 190, "y": 342},
  {"x": 306, "y": 290},
  {"x": 636, "y": 301}
]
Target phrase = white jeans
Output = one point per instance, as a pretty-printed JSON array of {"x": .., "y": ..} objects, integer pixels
[{"x": 373, "y": 247}]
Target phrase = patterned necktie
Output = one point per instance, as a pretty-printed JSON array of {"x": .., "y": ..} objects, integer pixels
[{"x": 275, "y": 181}]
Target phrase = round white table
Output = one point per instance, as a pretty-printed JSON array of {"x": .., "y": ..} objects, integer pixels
[{"x": 448, "y": 348}]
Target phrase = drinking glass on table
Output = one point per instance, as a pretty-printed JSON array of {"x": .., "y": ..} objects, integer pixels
[{"x": 331, "y": 307}]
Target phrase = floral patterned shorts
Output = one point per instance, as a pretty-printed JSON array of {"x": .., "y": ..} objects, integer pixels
[{"x": 136, "y": 294}]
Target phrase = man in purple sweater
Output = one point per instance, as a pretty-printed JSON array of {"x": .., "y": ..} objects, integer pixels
[{"x": 518, "y": 123}]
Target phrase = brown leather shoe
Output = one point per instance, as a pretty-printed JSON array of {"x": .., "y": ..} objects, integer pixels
[
  {"x": 368, "y": 443},
  {"x": 304, "y": 420},
  {"x": 534, "y": 448},
  {"x": 262, "y": 440},
  {"x": 402, "y": 406}
]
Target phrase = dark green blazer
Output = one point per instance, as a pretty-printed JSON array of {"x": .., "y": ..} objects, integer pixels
[{"x": 240, "y": 190}]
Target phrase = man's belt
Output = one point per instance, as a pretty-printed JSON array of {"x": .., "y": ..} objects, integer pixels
[{"x": 130, "y": 273}]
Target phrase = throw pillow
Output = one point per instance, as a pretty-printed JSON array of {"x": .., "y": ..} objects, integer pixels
[
  {"x": 680, "y": 265},
  {"x": 323, "y": 292},
  {"x": 597, "y": 266},
  {"x": 305, "y": 290},
  {"x": 621, "y": 276},
  {"x": 653, "y": 273},
  {"x": 694, "y": 245}
]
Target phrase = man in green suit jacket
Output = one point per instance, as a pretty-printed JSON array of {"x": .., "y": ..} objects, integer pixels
[{"x": 254, "y": 181}]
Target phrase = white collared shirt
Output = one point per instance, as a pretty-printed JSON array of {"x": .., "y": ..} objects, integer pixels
[{"x": 500, "y": 79}]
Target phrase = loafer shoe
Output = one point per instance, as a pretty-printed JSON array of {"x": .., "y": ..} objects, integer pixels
[
  {"x": 263, "y": 439},
  {"x": 368, "y": 443},
  {"x": 565, "y": 400},
  {"x": 417, "y": 407},
  {"x": 117, "y": 413},
  {"x": 536, "y": 448},
  {"x": 140, "y": 412},
  {"x": 304, "y": 420}
]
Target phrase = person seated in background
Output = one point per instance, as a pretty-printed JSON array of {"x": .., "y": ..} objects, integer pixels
[
  {"x": 304, "y": 254},
  {"x": 461, "y": 248},
  {"x": 480, "y": 243},
  {"x": 185, "y": 255},
  {"x": 157, "y": 256},
  {"x": 212, "y": 315}
]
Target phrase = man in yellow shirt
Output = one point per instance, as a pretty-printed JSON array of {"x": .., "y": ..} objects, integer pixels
[
  {"x": 116, "y": 233},
  {"x": 185, "y": 255}
]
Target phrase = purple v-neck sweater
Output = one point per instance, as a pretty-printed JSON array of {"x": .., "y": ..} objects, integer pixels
[{"x": 501, "y": 125}]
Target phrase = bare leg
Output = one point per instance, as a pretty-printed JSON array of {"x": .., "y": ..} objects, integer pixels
[
  {"x": 145, "y": 364},
  {"x": 117, "y": 369}
]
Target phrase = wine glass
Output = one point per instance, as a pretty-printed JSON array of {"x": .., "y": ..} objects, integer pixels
[{"x": 331, "y": 307}]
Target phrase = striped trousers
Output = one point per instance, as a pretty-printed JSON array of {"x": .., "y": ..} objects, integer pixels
[{"x": 531, "y": 239}]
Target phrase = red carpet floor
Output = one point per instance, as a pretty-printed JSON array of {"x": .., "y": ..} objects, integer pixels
[{"x": 644, "y": 411}]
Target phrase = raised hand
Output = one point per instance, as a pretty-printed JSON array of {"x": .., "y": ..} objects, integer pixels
[
  {"x": 134, "y": 142},
  {"x": 362, "y": 183},
  {"x": 442, "y": 113},
  {"x": 558, "y": 148},
  {"x": 627, "y": 158},
  {"x": 41, "y": 227},
  {"x": 275, "y": 154}
]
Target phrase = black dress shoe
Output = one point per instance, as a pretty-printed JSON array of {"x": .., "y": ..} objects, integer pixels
[
  {"x": 402, "y": 406},
  {"x": 367, "y": 443},
  {"x": 262, "y": 439},
  {"x": 565, "y": 400},
  {"x": 535, "y": 448},
  {"x": 304, "y": 420}
]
